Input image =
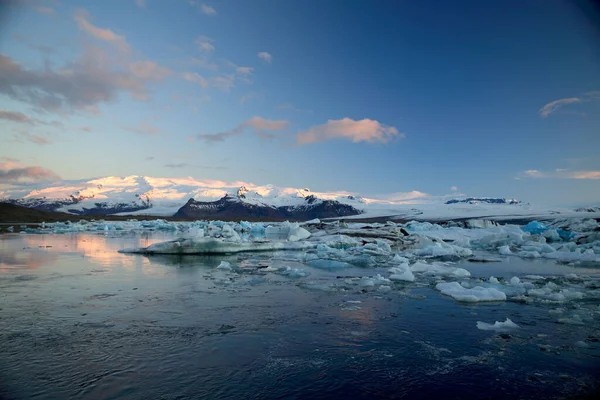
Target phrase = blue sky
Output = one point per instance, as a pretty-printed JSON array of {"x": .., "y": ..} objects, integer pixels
[{"x": 478, "y": 98}]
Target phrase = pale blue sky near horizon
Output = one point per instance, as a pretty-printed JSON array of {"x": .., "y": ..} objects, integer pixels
[{"x": 498, "y": 98}]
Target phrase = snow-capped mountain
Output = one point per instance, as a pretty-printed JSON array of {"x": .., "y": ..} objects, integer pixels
[
  {"x": 194, "y": 198},
  {"x": 182, "y": 196}
]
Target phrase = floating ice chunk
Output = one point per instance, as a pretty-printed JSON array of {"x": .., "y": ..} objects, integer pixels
[
  {"x": 529, "y": 254},
  {"x": 311, "y": 222},
  {"x": 479, "y": 223},
  {"x": 215, "y": 246},
  {"x": 438, "y": 269},
  {"x": 224, "y": 265},
  {"x": 384, "y": 288},
  {"x": 230, "y": 234},
  {"x": 294, "y": 272},
  {"x": 504, "y": 250},
  {"x": 402, "y": 273},
  {"x": 494, "y": 280},
  {"x": 552, "y": 235},
  {"x": 328, "y": 264},
  {"x": 497, "y": 326},
  {"x": 270, "y": 268},
  {"x": 573, "y": 256},
  {"x": 515, "y": 281},
  {"x": 472, "y": 295},
  {"x": 535, "y": 227}
]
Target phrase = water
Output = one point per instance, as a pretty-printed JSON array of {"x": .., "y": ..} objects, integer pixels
[{"x": 80, "y": 320}]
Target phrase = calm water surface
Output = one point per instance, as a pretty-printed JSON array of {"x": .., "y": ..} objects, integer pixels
[{"x": 80, "y": 320}]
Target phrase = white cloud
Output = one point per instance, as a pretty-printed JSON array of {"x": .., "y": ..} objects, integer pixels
[
  {"x": 208, "y": 10},
  {"x": 263, "y": 55},
  {"x": 454, "y": 188},
  {"x": 81, "y": 16},
  {"x": 560, "y": 174},
  {"x": 195, "y": 78},
  {"x": 365, "y": 130},
  {"x": 260, "y": 126},
  {"x": 556, "y": 104}
]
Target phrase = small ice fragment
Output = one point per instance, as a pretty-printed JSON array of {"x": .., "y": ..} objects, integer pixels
[
  {"x": 497, "y": 326},
  {"x": 224, "y": 265},
  {"x": 472, "y": 295},
  {"x": 514, "y": 281},
  {"x": 504, "y": 250}
]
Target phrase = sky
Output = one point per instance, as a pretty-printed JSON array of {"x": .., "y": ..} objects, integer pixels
[{"x": 380, "y": 98}]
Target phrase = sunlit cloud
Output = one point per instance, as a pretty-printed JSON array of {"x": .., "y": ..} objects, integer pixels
[
  {"x": 261, "y": 127},
  {"x": 195, "y": 78},
  {"x": 81, "y": 16},
  {"x": 559, "y": 174},
  {"x": 263, "y": 55},
  {"x": 208, "y": 10},
  {"x": 13, "y": 172},
  {"x": 204, "y": 44},
  {"x": 365, "y": 130}
]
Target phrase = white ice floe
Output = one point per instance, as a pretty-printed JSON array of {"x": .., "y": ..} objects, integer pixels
[
  {"x": 215, "y": 246},
  {"x": 470, "y": 295},
  {"x": 439, "y": 269},
  {"x": 507, "y": 325}
]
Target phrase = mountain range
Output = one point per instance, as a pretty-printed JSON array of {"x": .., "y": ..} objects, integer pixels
[{"x": 190, "y": 198}]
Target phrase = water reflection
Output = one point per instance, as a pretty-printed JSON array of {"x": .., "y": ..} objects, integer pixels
[{"x": 35, "y": 251}]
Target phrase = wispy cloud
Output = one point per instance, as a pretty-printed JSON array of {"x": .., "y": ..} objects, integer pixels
[
  {"x": 261, "y": 127},
  {"x": 406, "y": 196},
  {"x": 19, "y": 117},
  {"x": 177, "y": 165},
  {"x": 140, "y": 3},
  {"x": 204, "y": 44},
  {"x": 365, "y": 130},
  {"x": 223, "y": 82},
  {"x": 205, "y": 63},
  {"x": 208, "y": 10},
  {"x": 143, "y": 129},
  {"x": 12, "y": 172},
  {"x": 454, "y": 188},
  {"x": 46, "y": 10},
  {"x": 559, "y": 174},
  {"x": 263, "y": 55},
  {"x": 195, "y": 78},
  {"x": 291, "y": 107},
  {"x": 81, "y": 16},
  {"x": 14, "y": 116},
  {"x": 556, "y": 105},
  {"x": 25, "y": 135}
]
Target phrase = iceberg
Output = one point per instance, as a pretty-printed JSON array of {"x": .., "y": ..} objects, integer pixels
[
  {"x": 208, "y": 245},
  {"x": 497, "y": 326},
  {"x": 472, "y": 295},
  {"x": 535, "y": 227}
]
